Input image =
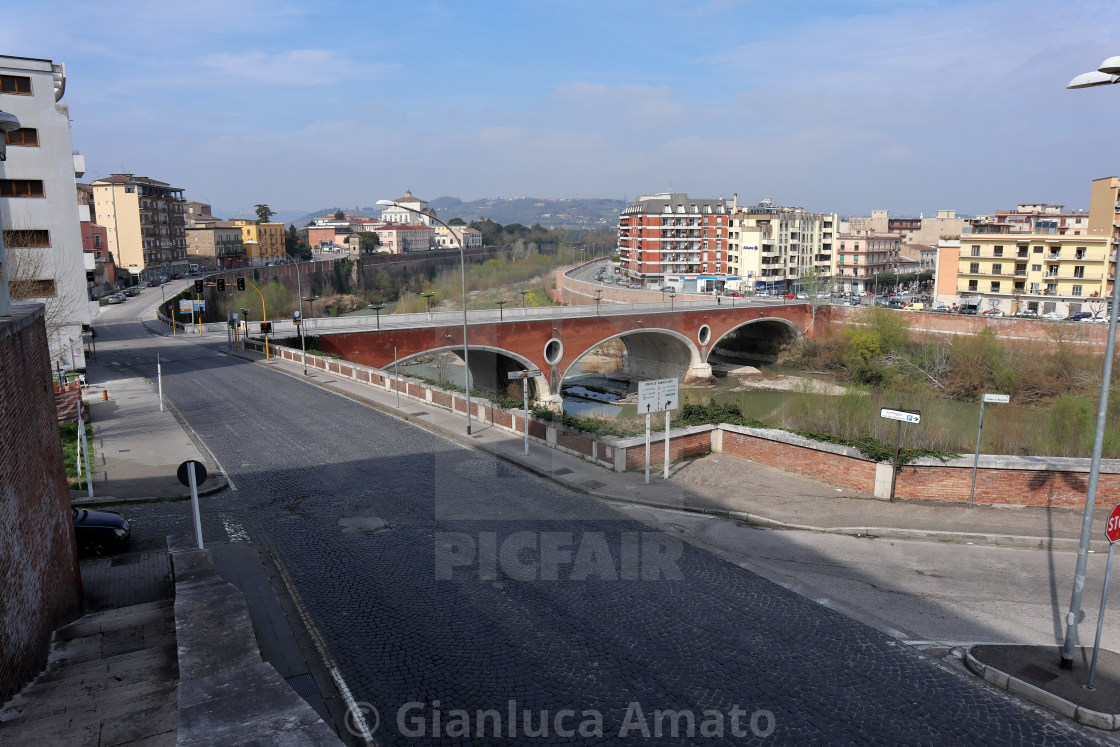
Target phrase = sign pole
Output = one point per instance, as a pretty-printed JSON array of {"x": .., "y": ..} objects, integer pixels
[
  {"x": 525, "y": 397},
  {"x": 397, "y": 371},
  {"x": 666, "y": 444},
  {"x": 1100, "y": 617},
  {"x": 894, "y": 465},
  {"x": 976, "y": 457},
  {"x": 194, "y": 503},
  {"x": 159, "y": 380},
  {"x": 647, "y": 448}
]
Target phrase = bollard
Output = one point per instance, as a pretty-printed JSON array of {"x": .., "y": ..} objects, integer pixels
[{"x": 104, "y": 395}]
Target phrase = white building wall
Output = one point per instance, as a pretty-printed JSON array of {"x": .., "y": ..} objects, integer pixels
[{"x": 55, "y": 163}]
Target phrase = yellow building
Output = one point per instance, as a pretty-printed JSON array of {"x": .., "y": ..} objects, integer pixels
[
  {"x": 1038, "y": 271},
  {"x": 1104, "y": 218},
  {"x": 264, "y": 242}
]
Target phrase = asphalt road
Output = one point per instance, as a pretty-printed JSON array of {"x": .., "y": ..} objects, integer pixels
[{"x": 443, "y": 579}]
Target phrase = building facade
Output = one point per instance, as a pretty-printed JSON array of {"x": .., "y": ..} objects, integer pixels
[
  {"x": 672, "y": 240},
  {"x": 263, "y": 242},
  {"x": 1104, "y": 221},
  {"x": 400, "y": 239},
  {"x": 145, "y": 220},
  {"x": 863, "y": 257},
  {"x": 771, "y": 247},
  {"x": 394, "y": 214},
  {"x": 472, "y": 238},
  {"x": 216, "y": 247},
  {"x": 39, "y": 204}
]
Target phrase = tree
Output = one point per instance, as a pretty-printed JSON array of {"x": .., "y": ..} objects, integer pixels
[
  {"x": 31, "y": 278},
  {"x": 295, "y": 244},
  {"x": 456, "y": 222},
  {"x": 489, "y": 229},
  {"x": 370, "y": 242},
  {"x": 818, "y": 286},
  {"x": 264, "y": 213},
  {"x": 339, "y": 215}
]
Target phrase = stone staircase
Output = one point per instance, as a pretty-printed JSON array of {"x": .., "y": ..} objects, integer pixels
[{"x": 110, "y": 679}]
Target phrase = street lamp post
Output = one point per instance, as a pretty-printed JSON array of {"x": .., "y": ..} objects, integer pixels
[
  {"x": 1108, "y": 72},
  {"x": 598, "y": 298},
  {"x": 500, "y": 305},
  {"x": 458, "y": 237},
  {"x": 524, "y": 303},
  {"x": 428, "y": 298},
  {"x": 376, "y": 308},
  {"x": 312, "y": 300}
]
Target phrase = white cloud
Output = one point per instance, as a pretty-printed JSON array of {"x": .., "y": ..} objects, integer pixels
[{"x": 296, "y": 67}]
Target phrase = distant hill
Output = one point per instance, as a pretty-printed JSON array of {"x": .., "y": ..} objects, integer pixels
[{"x": 574, "y": 213}]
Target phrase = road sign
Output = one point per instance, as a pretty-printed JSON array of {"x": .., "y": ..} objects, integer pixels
[
  {"x": 531, "y": 373},
  {"x": 1112, "y": 527},
  {"x": 998, "y": 398},
  {"x": 199, "y": 472},
  {"x": 906, "y": 416},
  {"x": 658, "y": 395}
]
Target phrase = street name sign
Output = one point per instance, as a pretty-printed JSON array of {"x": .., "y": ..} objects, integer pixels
[
  {"x": 658, "y": 395},
  {"x": 1002, "y": 399},
  {"x": 531, "y": 373},
  {"x": 906, "y": 416}
]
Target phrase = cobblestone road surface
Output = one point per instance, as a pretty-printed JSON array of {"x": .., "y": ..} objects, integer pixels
[{"x": 441, "y": 577}]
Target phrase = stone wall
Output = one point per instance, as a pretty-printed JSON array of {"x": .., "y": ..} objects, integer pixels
[{"x": 40, "y": 584}]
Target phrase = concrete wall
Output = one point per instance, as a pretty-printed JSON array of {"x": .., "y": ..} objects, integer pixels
[{"x": 40, "y": 584}]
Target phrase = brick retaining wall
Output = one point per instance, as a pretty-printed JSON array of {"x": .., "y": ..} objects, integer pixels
[{"x": 40, "y": 583}]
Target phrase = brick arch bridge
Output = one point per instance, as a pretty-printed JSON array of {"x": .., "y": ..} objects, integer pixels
[{"x": 659, "y": 343}]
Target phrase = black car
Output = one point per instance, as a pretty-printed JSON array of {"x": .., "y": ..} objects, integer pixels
[
  {"x": 131, "y": 292},
  {"x": 1078, "y": 316},
  {"x": 98, "y": 532},
  {"x": 153, "y": 283}
]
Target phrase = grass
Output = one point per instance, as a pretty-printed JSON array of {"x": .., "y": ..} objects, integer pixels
[{"x": 68, "y": 432}]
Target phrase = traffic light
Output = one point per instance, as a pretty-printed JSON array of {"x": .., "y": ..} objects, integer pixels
[
  {"x": 221, "y": 285},
  {"x": 198, "y": 287},
  {"x": 241, "y": 284},
  {"x": 266, "y": 327}
]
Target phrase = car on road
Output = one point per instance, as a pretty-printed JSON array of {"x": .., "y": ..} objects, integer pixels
[
  {"x": 1081, "y": 316},
  {"x": 115, "y": 298},
  {"x": 735, "y": 295},
  {"x": 131, "y": 292},
  {"x": 941, "y": 308},
  {"x": 634, "y": 285},
  {"x": 802, "y": 295},
  {"x": 99, "y": 532},
  {"x": 1054, "y": 316},
  {"x": 154, "y": 283},
  {"x": 789, "y": 296}
]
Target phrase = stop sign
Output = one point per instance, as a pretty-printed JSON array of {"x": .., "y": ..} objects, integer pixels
[{"x": 1112, "y": 528}]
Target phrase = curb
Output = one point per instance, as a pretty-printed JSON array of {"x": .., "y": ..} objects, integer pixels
[
  {"x": 109, "y": 500},
  {"x": 871, "y": 532},
  {"x": 1038, "y": 696}
]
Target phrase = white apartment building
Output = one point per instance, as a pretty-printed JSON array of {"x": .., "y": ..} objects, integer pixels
[
  {"x": 394, "y": 214},
  {"x": 39, "y": 204},
  {"x": 770, "y": 247}
]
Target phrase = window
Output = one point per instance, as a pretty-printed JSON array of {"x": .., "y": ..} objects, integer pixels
[
  {"x": 1020, "y": 268},
  {"x": 975, "y": 250},
  {"x": 1038, "y": 250},
  {"x": 1036, "y": 268},
  {"x": 995, "y": 286},
  {"x": 997, "y": 251},
  {"x": 21, "y": 188},
  {"x": 23, "y": 136},
  {"x": 972, "y": 286},
  {"x": 1079, "y": 271},
  {"x": 37, "y": 288},
  {"x": 1076, "y": 291},
  {"x": 27, "y": 237},
  {"x": 18, "y": 84},
  {"x": 974, "y": 268},
  {"x": 132, "y": 191},
  {"x": 1079, "y": 253}
]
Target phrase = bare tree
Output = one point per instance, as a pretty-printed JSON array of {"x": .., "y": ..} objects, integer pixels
[
  {"x": 33, "y": 277},
  {"x": 818, "y": 286}
]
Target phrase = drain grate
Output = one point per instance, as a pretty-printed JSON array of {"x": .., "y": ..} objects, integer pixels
[
  {"x": 304, "y": 685},
  {"x": 1036, "y": 674},
  {"x": 561, "y": 471},
  {"x": 593, "y": 484}
]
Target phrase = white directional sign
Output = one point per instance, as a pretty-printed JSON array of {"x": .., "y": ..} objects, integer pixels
[
  {"x": 524, "y": 374},
  {"x": 658, "y": 395},
  {"x": 1000, "y": 398},
  {"x": 906, "y": 416}
]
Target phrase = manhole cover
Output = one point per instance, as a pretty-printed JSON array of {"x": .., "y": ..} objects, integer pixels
[{"x": 593, "y": 484}]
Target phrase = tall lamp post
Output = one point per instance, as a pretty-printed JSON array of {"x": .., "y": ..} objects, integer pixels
[
  {"x": 524, "y": 303},
  {"x": 312, "y": 300},
  {"x": 8, "y": 123},
  {"x": 428, "y": 298},
  {"x": 376, "y": 308},
  {"x": 500, "y": 305},
  {"x": 1108, "y": 72},
  {"x": 458, "y": 237}
]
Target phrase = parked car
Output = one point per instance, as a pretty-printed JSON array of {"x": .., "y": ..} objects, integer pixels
[
  {"x": 634, "y": 285},
  {"x": 1027, "y": 314},
  {"x": 115, "y": 298},
  {"x": 802, "y": 295},
  {"x": 915, "y": 306},
  {"x": 177, "y": 276},
  {"x": 1054, "y": 316},
  {"x": 735, "y": 295},
  {"x": 941, "y": 308},
  {"x": 1099, "y": 320},
  {"x": 789, "y": 296},
  {"x": 1080, "y": 315},
  {"x": 131, "y": 292},
  {"x": 968, "y": 310},
  {"x": 993, "y": 312},
  {"x": 154, "y": 283},
  {"x": 99, "y": 532}
]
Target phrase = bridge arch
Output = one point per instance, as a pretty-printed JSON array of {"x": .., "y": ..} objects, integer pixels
[
  {"x": 762, "y": 338},
  {"x": 655, "y": 353}
]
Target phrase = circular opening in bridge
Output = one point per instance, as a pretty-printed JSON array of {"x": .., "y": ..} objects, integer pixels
[
  {"x": 705, "y": 335},
  {"x": 553, "y": 351}
]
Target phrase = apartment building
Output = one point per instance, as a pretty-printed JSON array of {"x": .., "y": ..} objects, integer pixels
[
  {"x": 920, "y": 230},
  {"x": 199, "y": 214},
  {"x": 401, "y": 239},
  {"x": 39, "y": 204},
  {"x": 770, "y": 247},
  {"x": 670, "y": 239},
  {"x": 472, "y": 238},
  {"x": 1035, "y": 217},
  {"x": 263, "y": 242},
  {"x": 145, "y": 221},
  {"x": 1104, "y": 220},
  {"x": 423, "y": 215},
  {"x": 863, "y": 256},
  {"x": 216, "y": 246}
]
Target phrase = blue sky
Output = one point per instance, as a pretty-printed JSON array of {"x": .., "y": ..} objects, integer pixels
[{"x": 834, "y": 106}]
